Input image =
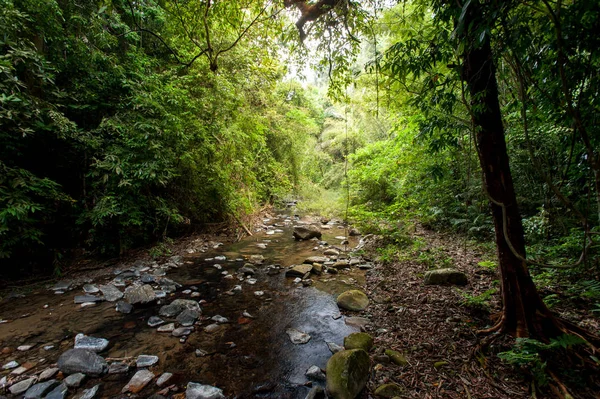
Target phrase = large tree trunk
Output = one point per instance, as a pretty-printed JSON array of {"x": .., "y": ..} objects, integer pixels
[{"x": 524, "y": 314}]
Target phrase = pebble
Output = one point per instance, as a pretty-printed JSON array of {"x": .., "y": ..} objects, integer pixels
[
  {"x": 87, "y": 298},
  {"x": 48, "y": 347},
  {"x": 251, "y": 281},
  {"x": 111, "y": 292},
  {"x": 124, "y": 307},
  {"x": 138, "y": 381},
  {"x": 199, "y": 391},
  {"x": 186, "y": 292},
  {"x": 90, "y": 289},
  {"x": 155, "y": 321},
  {"x": 163, "y": 379},
  {"x": 166, "y": 328},
  {"x": 89, "y": 393},
  {"x": 297, "y": 337},
  {"x": 87, "y": 304},
  {"x": 22, "y": 386},
  {"x": 316, "y": 373},
  {"x": 220, "y": 319},
  {"x": 248, "y": 315},
  {"x": 334, "y": 348},
  {"x": 74, "y": 380},
  {"x": 259, "y": 293},
  {"x": 90, "y": 343},
  {"x": 188, "y": 317},
  {"x": 220, "y": 258},
  {"x": 182, "y": 331},
  {"x": 24, "y": 348},
  {"x": 118, "y": 368},
  {"x": 146, "y": 361},
  {"x": 10, "y": 365},
  {"x": 60, "y": 392},
  {"x": 48, "y": 373},
  {"x": 201, "y": 353},
  {"x": 19, "y": 370},
  {"x": 211, "y": 328}
]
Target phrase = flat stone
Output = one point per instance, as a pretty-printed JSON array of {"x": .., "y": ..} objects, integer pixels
[
  {"x": 39, "y": 390},
  {"x": 60, "y": 392},
  {"x": 315, "y": 373},
  {"x": 188, "y": 317},
  {"x": 146, "y": 360},
  {"x": 315, "y": 259},
  {"x": 13, "y": 364},
  {"x": 20, "y": 370},
  {"x": 166, "y": 328},
  {"x": 87, "y": 298},
  {"x": 246, "y": 270},
  {"x": 211, "y": 328},
  {"x": 178, "y": 306},
  {"x": 62, "y": 286},
  {"x": 182, "y": 331},
  {"x": 138, "y": 381},
  {"x": 89, "y": 393},
  {"x": 140, "y": 294},
  {"x": 334, "y": 348},
  {"x": 87, "y": 304},
  {"x": 90, "y": 289},
  {"x": 90, "y": 343},
  {"x": 220, "y": 319},
  {"x": 22, "y": 386},
  {"x": 82, "y": 361},
  {"x": 354, "y": 300},
  {"x": 154, "y": 321},
  {"x": 445, "y": 276},
  {"x": 74, "y": 380},
  {"x": 297, "y": 337},
  {"x": 48, "y": 373},
  {"x": 331, "y": 252},
  {"x": 298, "y": 270},
  {"x": 199, "y": 391},
  {"x": 359, "y": 322},
  {"x": 24, "y": 348},
  {"x": 118, "y": 368},
  {"x": 124, "y": 307},
  {"x": 110, "y": 292},
  {"x": 164, "y": 379}
]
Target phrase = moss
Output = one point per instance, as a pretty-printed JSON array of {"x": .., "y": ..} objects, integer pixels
[
  {"x": 359, "y": 340},
  {"x": 388, "y": 391},
  {"x": 396, "y": 357},
  {"x": 353, "y": 300},
  {"x": 347, "y": 373}
]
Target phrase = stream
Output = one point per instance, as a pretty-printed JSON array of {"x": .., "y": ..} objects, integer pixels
[{"x": 249, "y": 356}]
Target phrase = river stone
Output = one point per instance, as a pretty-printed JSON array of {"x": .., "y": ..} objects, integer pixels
[
  {"x": 138, "y": 381},
  {"x": 211, "y": 328},
  {"x": 182, "y": 331},
  {"x": 140, "y": 294},
  {"x": 347, "y": 373},
  {"x": 60, "y": 392},
  {"x": 334, "y": 348},
  {"x": 316, "y": 373},
  {"x": 396, "y": 357},
  {"x": 163, "y": 379},
  {"x": 359, "y": 340},
  {"x": 297, "y": 337},
  {"x": 200, "y": 391},
  {"x": 39, "y": 390},
  {"x": 74, "y": 380},
  {"x": 90, "y": 289},
  {"x": 246, "y": 270},
  {"x": 316, "y": 392},
  {"x": 353, "y": 300},
  {"x": 146, "y": 360},
  {"x": 256, "y": 259},
  {"x": 13, "y": 364},
  {"x": 187, "y": 317},
  {"x": 48, "y": 373},
  {"x": 298, "y": 270},
  {"x": 340, "y": 264},
  {"x": 21, "y": 386},
  {"x": 306, "y": 232},
  {"x": 111, "y": 293},
  {"x": 178, "y": 306},
  {"x": 445, "y": 276},
  {"x": 317, "y": 268},
  {"x": 82, "y": 361},
  {"x": 315, "y": 259},
  {"x": 331, "y": 252},
  {"x": 124, "y": 307},
  {"x": 118, "y": 368},
  {"x": 62, "y": 286},
  {"x": 359, "y": 322},
  {"x": 87, "y": 298},
  {"x": 90, "y": 343},
  {"x": 154, "y": 321},
  {"x": 388, "y": 391},
  {"x": 166, "y": 328},
  {"x": 89, "y": 393},
  {"x": 220, "y": 319}
]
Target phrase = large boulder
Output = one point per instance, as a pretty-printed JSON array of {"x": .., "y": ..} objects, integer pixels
[
  {"x": 347, "y": 373},
  {"x": 353, "y": 300},
  {"x": 306, "y": 232},
  {"x": 82, "y": 361},
  {"x": 445, "y": 276},
  {"x": 359, "y": 340}
]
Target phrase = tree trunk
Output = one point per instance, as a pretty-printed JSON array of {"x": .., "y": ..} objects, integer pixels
[{"x": 524, "y": 314}]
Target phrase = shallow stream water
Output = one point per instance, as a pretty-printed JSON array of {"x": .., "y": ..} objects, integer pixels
[{"x": 248, "y": 357}]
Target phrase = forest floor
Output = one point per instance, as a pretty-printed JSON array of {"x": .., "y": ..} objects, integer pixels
[{"x": 436, "y": 326}]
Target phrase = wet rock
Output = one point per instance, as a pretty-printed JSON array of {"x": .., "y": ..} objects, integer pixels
[
  {"x": 138, "y": 381},
  {"x": 445, "y": 276},
  {"x": 90, "y": 289},
  {"x": 331, "y": 252},
  {"x": 154, "y": 321},
  {"x": 347, "y": 373},
  {"x": 90, "y": 343},
  {"x": 62, "y": 286},
  {"x": 354, "y": 300},
  {"x": 124, "y": 307},
  {"x": 111, "y": 293},
  {"x": 48, "y": 373},
  {"x": 334, "y": 348},
  {"x": 147, "y": 279},
  {"x": 396, "y": 357},
  {"x": 13, "y": 364},
  {"x": 359, "y": 322},
  {"x": 21, "y": 386},
  {"x": 146, "y": 361},
  {"x": 315, "y": 373},
  {"x": 89, "y": 393},
  {"x": 60, "y": 392},
  {"x": 359, "y": 340},
  {"x": 297, "y": 337},
  {"x": 164, "y": 379},
  {"x": 389, "y": 391},
  {"x": 317, "y": 268},
  {"x": 298, "y": 270},
  {"x": 246, "y": 270},
  {"x": 306, "y": 232},
  {"x": 82, "y": 361},
  {"x": 220, "y": 319},
  {"x": 341, "y": 264},
  {"x": 178, "y": 306},
  {"x": 187, "y": 317},
  {"x": 118, "y": 368},
  {"x": 74, "y": 380},
  {"x": 316, "y": 392},
  {"x": 140, "y": 294},
  {"x": 200, "y": 391},
  {"x": 24, "y": 348},
  {"x": 315, "y": 259},
  {"x": 182, "y": 331},
  {"x": 39, "y": 390},
  {"x": 166, "y": 328},
  {"x": 87, "y": 298},
  {"x": 211, "y": 328}
]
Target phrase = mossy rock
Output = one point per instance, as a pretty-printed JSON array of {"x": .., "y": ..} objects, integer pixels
[
  {"x": 445, "y": 276},
  {"x": 388, "y": 391},
  {"x": 359, "y": 340},
  {"x": 396, "y": 357},
  {"x": 353, "y": 300},
  {"x": 347, "y": 373}
]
